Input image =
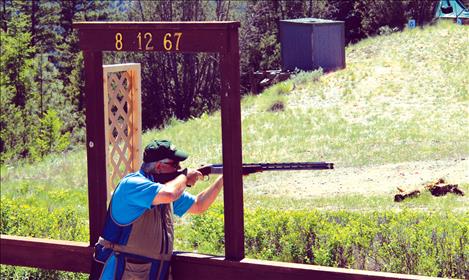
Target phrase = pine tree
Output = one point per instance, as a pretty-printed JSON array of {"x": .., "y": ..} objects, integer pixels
[
  {"x": 17, "y": 85},
  {"x": 42, "y": 68},
  {"x": 48, "y": 137}
]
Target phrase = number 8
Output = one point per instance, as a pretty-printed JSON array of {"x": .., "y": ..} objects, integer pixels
[{"x": 119, "y": 41}]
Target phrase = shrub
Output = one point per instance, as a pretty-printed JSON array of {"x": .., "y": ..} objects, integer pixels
[
  {"x": 401, "y": 242},
  {"x": 24, "y": 219}
]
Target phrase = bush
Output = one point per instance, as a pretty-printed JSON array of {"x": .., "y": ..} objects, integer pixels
[
  {"x": 24, "y": 219},
  {"x": 400, "y": 242}
]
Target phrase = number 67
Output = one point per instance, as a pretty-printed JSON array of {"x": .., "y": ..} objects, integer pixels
[{"x": 168, "y": 44}]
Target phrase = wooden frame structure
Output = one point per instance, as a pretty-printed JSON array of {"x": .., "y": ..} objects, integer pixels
[
  {"x": 218, "y": 37},
  {"x": 123, "y": 110}
]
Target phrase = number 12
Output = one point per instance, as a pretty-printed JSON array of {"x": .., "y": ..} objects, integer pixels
[{"x": 147, "y": 36}]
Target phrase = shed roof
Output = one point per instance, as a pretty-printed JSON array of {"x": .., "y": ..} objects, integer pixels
[{"x": 312, "y": 21}]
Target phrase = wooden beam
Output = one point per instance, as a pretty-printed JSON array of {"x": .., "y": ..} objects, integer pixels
[
  {"x": 95, "y": 143},
  {"x": 77, "y": 256},
  {"x": 154, "y": 36},
  {"x": 46, "y": 253},
  {"x": 204, "y": 267},
  {"x": 96, "y": 147},
  {"x": 232, "y": 151}
]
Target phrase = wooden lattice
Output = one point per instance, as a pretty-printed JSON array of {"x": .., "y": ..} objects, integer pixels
[{"x": 123, "y": 120}]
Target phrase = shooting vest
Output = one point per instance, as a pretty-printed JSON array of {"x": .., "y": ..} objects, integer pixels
[{"x": 142, "y": 247}]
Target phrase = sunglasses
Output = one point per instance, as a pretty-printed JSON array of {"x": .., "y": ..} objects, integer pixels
[{"x": 174, "y": 164}]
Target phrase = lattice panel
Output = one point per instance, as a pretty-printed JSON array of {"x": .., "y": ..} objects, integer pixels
[{"x": 123, "y": 121}]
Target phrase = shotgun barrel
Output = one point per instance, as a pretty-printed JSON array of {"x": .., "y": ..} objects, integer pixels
[{"x": 249, "y": 168}]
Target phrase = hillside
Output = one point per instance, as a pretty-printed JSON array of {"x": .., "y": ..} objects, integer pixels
[{"x": 396, "y": 116}]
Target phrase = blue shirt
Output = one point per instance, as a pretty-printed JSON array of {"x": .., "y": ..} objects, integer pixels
[{"x": 132, "y": 197}]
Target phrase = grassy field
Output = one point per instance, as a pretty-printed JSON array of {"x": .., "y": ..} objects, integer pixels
[{"x": 402, "y": 97}]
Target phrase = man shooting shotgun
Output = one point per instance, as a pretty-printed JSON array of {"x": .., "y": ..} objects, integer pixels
[{"x": 249, "y": 168}]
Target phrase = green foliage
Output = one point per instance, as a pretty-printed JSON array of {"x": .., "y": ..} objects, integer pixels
[
  {"x": 17, "y": 273},
  {"x": 25, "y": 215},
  {"x": 49, "y": 137},
  {"x": 375, "y": 14},
  {"x": 176, "y": 85},
  {"x": 17, "y": 108},
  {"x": 41, "y": 69},
  {"x": 410, "y": 242},
  {"x": 31, "y": 219}
]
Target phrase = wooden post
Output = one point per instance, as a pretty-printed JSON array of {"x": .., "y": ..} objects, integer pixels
[
  {"x": 232, "y": 151},
  {"x": 95, "y": 146}
]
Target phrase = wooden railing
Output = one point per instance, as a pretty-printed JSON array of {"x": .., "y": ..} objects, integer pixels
[
  {"x": 76, "y": 256},
  {"x": 46, "y": 253}
]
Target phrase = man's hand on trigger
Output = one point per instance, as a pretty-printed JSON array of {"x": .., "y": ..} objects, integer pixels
[{"x": 192, "y": 176}]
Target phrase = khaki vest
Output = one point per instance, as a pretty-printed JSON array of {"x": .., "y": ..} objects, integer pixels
[{"x": 152, "y": 235}]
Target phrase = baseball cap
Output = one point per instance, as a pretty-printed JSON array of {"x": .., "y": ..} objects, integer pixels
[{"x": 161, "y": 149}]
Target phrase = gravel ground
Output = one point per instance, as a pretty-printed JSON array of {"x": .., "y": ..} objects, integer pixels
[{"x": 382, "y": 179}]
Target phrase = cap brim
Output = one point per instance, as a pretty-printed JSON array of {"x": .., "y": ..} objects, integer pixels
[{"x": 179, "y": 155}]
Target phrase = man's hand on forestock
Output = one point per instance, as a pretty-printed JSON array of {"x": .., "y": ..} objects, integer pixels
[{"x": 193, "y": 175}]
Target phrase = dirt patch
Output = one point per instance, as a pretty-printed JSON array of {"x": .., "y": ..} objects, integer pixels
[{"x": 372, "y": 180}]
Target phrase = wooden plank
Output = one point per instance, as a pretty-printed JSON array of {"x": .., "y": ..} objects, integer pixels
[
  {"x": 185, "y": 25},
  {"x": 107, "y": 69},
  {"x": 204, "y": 267},
  {"x": 232, "y": 151},
  {"x": 111, "y": 68},
  {"x": 76, "y": 257},
  {"x": 154, "y": 36},
  {"x": 46, "y": 253},
  {"x": 136, "y": 117}
]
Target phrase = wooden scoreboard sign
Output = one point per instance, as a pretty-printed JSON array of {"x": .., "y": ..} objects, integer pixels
[
  {"x": 216, "y": 37},
  {"x": 156, "y": 36}
]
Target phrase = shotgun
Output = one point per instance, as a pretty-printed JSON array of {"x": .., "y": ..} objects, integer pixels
[{"x": 249, "y": 168}]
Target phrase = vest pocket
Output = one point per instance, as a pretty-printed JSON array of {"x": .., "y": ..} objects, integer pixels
[{"x": 136, "y": 270}]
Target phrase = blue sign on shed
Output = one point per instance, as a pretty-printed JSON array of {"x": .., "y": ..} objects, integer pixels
[{"x": 310, "y": 43}]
